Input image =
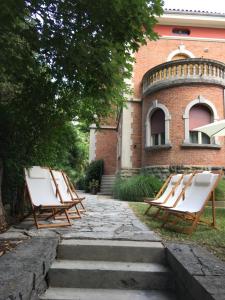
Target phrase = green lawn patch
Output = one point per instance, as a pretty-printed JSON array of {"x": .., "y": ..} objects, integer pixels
[
  {"x": 212, "y": 239},
  {"x": 220, "y": 190}
]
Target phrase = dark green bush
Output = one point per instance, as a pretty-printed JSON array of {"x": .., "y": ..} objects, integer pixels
[
  {"x": 94, "y": 171},
  {"x": 136, "y": 187}
]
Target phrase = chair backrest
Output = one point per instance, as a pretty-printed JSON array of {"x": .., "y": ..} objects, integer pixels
[
  {"x": 175, "y": 198},
  {"x": 39, "y": 186},
  {"x": 171, "y": 187},
  {"x": 62, "y": 186},
  {"x": 198, "y": 193}
]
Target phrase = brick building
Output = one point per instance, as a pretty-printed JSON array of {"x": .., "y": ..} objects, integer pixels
[{"x": 178, "y": 84}]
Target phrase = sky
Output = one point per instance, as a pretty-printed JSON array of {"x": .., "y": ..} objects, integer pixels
[{"x": 205, "y": 5}]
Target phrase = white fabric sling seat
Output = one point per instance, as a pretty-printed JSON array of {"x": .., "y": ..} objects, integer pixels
[
  {"x": 67, "y": 195},
  {"x": 194, "y": 201},
  {"x": 38, "y": 187},
  {"x": 176, "y": 198},
  {"x": 165, "y": 192}
]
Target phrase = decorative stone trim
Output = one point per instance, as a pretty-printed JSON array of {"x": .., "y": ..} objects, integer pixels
[
  {"x": 92, "y": 144},
  {"x": 183, "y": 71},
  {"x": 152, "y": 109},
  {"x": 181, "y": 50},
  {"x": 126, "y": 145},
  {"x": 158, "y": 147},
  {"x": 199, "y": 100},
  {"x": 201, "y": 146}
]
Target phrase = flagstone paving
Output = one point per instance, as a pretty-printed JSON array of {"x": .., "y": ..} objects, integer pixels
[{"x": 105, "y": 218}]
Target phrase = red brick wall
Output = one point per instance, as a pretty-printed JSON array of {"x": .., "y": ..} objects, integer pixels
[
  {"x": 155, "y": 53},
  {"x": 176, "y": 99},
  {"x": 106, "y": 149}
]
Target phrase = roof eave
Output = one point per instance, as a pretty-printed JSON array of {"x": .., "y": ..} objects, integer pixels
[{"x": 181, "y": 19}]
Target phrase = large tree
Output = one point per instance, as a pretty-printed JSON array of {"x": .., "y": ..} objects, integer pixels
[{"x": 61, "y": 60}]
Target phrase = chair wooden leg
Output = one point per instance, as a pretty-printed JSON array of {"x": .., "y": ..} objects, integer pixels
[
  {"x": 82, "y": 206},
  {"x": 213, "y": 210},
  {"x": 147, "y": 210},
  {"x": 68, "y": 219},
  {"x": 165, "y": 219}
]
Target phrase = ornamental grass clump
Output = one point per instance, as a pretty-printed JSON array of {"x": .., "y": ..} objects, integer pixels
[{"x": 136, "y": 188}]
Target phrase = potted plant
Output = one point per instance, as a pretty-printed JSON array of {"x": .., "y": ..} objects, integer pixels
[{"x": 93, "y": 186}]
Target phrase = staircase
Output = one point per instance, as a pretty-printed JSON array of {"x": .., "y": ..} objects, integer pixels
[
  {"x": 107, "y": 184},
  {"x": 109, "y": 270}
]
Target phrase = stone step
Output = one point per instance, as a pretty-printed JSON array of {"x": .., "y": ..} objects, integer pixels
[
  {"x": 109, "y": 250},
  {"x": 106, "y": 191},
  {"x": 105, "y": 194},
  {"x": 103, "y": 294},
  {"x": 109, "y": 275},
  {"x": 104, "y": 187},
  {"x": 107, "y": 183}
]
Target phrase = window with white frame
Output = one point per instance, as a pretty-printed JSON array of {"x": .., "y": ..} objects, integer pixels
[
  {"x": 199, "y": 115},
  {"x": 157, "y": 121}
]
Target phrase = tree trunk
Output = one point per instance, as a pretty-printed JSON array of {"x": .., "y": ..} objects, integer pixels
[{"x": 3, "y": 223}]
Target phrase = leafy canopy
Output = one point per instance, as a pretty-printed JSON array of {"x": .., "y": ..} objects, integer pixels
[{"x": 61, "y": 60}]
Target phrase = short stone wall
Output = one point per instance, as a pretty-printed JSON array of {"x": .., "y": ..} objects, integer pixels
[
  {"x": 125, "y": 173},
  {"x": 198, "y": 274},
  {"x": 164, "y": 171},
  {"x": 23, "y": 270}
]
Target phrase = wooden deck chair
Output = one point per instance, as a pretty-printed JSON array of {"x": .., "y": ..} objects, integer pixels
[
  {"x": 175, "y": 198},
  {"x": 60, "y": 186},
  {"x": 39, "y": 189},
  {"x": 165, "y": 192},
  {"x": 73, "y": 191},
  {"x": 201, "y": 190}
]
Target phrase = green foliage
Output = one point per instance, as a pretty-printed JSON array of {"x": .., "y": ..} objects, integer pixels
[
  {"x": 206, "y": 236},
  {"x": 94, "y": 172},
  {"x": 61, "y": 61},
  {"x": 93, "y": 184},
  {"x": 136, "y": 187},
  {"x": 66, "y": 148},
  {"x": 220, "y": 190}
]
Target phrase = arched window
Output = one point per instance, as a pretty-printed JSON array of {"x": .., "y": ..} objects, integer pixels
[
  {"x": 179, "y": 56},
  {"x": 201, "y": 111},
  {"x": 157, "y": 125},
  {"x": 157, "y": 121},
  {"x": 199, "y": 115}
]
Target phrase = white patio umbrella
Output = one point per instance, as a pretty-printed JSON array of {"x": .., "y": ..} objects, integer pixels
[{"x": 213, "y": 129}]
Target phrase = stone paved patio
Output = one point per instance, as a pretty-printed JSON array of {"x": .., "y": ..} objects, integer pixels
[{"x": 105, "y": 219}]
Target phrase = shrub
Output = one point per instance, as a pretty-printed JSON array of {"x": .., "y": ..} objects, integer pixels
[
  {"x": 94, "y": 171},
  {"x": 136, "y": 187}
]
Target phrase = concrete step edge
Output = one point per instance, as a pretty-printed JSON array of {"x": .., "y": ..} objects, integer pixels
[
  {"x": 102, "y": 294},
  {"x": 109, "y": 266},
  {"x": 112, "y": 243}
]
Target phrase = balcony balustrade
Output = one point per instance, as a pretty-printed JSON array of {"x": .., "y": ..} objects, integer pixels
[{"x": 184, "y": 71}]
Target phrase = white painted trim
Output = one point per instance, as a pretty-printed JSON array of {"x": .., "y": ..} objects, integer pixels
[
  {"x": 108, "y": 127},
  {"x": 165, "y": 37},
  {"x": 181, "y": 50},
  {"x": 92, "y": 145},
  {"x": 199, "y": 100},
  {"x": 192, "y": 20},
  {"x": 156, "y": 105},
  {"x": 126, "y": 141}
]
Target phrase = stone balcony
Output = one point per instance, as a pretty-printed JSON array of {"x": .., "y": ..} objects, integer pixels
[{"x": 184, "y": 71}]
